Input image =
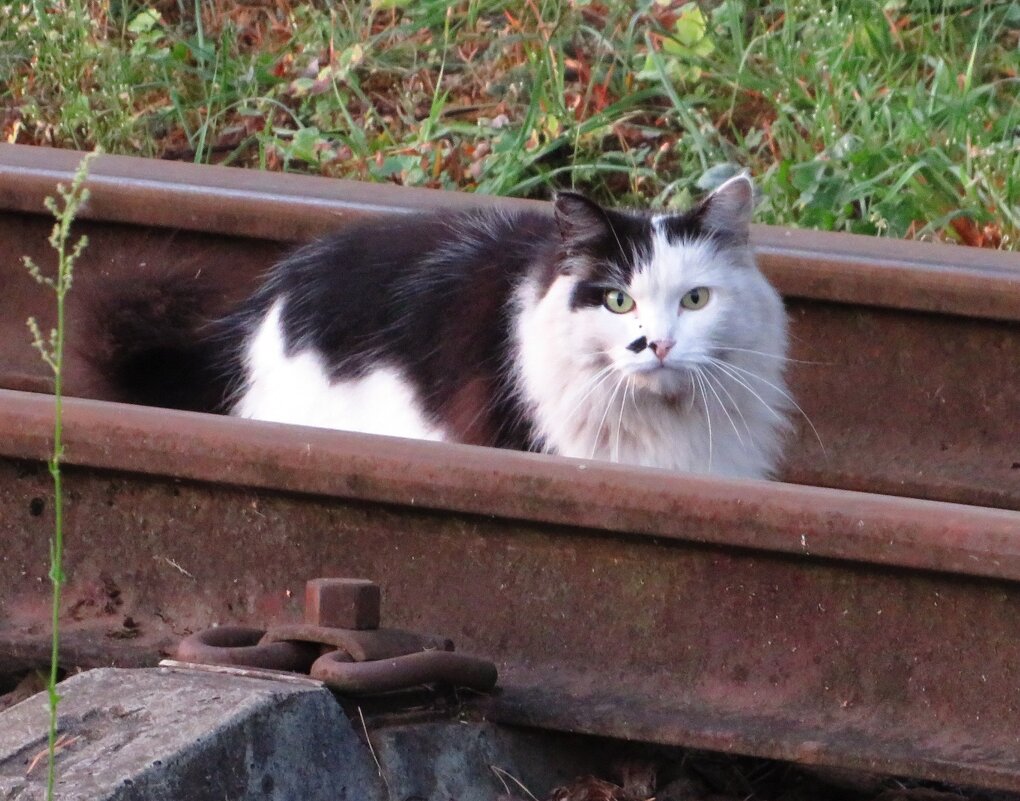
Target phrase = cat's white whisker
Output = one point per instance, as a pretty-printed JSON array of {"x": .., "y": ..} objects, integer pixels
[
  {"x": 789, "y": 398},
  {"x": 708, "y": 382},
  {"x": 724, "y": 369},
  {"x": 708, "y": 413},
  {"x": 599, "y": 378},
  {"x": 619, "y": 421},
  {"x": 736, "y": 405},
  {"x": 605, "y": 414},
  {"x": 633, "y": 397},
  {"x": 771, "y": 355}
]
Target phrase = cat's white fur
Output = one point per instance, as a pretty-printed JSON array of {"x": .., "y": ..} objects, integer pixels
[
  {"x": 689, "y": 414},
  {"x": 589, "y": 395},
  {"x": 297, "y": 389}
]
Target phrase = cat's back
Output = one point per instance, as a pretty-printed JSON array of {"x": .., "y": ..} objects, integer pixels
[
  {"x": 377, "y": 273},
  {"x": 392, "y": 326}
]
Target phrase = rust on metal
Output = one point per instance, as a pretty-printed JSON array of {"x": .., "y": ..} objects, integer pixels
[
  {"x": 402, "y": 672},
  {"x": 364, "y": 661},
  {"x": 823, "y": 625},
  {"x": 342, "y": 603},
  {"x": 291, "y": 208},
  {"x": 885, "y": 334},
  {"x": 787, "y": 518},
  {"x": 362, "y": 646},
  {"x": 242, "y": 646},
  {"x": 769, "y": 619}
]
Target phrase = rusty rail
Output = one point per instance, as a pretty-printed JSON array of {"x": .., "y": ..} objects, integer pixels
[
  {"x": 792, "y": 622},
  {"x": 290, "y": 208},
  {"x": 821, "y": 625},
  {"x": 887, "y": 333}
]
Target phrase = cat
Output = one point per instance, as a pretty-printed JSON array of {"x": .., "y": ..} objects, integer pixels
[{"x": 636, "y": 337}]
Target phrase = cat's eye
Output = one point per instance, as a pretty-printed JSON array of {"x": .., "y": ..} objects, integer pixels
[
  {"x": 696, "y": 298},
  {"x": 617, "y": 301}
]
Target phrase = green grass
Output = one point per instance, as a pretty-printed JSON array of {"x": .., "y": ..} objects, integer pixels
[{"x": 899, "y": 118}]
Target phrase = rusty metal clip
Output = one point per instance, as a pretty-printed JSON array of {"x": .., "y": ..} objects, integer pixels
[
  {"x": 362, "y": 646},
  {"x": 242, "y": 646},
  {"x": 343, "y": 614},
  {"x": 401, "y": 672}
]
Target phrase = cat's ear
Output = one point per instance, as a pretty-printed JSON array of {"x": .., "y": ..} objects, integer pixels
[
  {"x": 727, "y": 211},
  {"x": 581, "y": 221}
]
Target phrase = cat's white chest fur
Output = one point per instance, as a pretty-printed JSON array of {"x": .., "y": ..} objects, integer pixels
[{"x": 296, "y": 388}]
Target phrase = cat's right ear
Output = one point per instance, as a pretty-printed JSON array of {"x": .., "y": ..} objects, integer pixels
[{"x": 581, "y": 221}]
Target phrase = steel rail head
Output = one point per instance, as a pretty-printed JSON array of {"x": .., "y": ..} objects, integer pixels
[
  {"x": 220, "y": 200},
  {"x": 845, "y": 268},
  {"x": 404, "y": 672},
  {"x": 632, "y": 502}
]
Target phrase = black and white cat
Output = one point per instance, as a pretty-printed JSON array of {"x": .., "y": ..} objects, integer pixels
[{"x": 636, "y": 337}]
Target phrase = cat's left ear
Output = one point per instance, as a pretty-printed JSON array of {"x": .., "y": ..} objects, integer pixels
[{"x": 727, "y": 211}]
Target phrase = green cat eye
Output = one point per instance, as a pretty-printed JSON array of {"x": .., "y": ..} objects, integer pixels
[
  {"x": 617, "y": 301},
  {"x": 696, "y": 298}
]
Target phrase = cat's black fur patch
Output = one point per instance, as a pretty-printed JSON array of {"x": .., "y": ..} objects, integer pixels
[
  {"x": 638, "y": 344},
  {"x": 426, "y": 294},
  {"x": 602, "y": 246},
  {"x": 588, "y": 294}
]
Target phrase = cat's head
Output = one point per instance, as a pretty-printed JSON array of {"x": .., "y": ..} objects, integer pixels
[{"x": 656, "y": 295}]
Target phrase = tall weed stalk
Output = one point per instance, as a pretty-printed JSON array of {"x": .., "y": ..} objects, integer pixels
[{"x": 51, "y": 349}]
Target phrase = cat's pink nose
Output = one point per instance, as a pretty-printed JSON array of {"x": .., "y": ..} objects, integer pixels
[{"x": 662, "y": 347}]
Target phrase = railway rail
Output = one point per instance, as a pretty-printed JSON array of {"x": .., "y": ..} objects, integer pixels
[{"x": 862, "y": 613}]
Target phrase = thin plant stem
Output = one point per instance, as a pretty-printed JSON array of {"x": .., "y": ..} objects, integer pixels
[{"x": 51, "y": 349}]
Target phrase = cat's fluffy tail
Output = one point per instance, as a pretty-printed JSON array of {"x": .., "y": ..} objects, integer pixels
[{"x": 156, "y": 342}]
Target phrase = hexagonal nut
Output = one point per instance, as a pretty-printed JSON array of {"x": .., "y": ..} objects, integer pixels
[{"x": 342, "y": 603}]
